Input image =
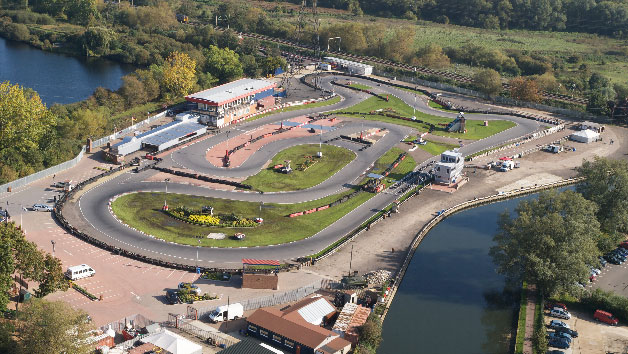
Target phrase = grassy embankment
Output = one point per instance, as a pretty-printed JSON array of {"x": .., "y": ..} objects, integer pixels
[
  {"x": 360, "y": 86},
  {"x": 143, "y": 212},
  {"x": 268, "y": 180},
  {"x": 328, "y": 102},
  {"x": 433, "y": 147},
  {"x": 521, "y": 323},
  {"x": 475, "y": 128}
]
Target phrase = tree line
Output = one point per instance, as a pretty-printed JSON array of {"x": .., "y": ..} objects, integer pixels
[{"x": 589, "y": 16}]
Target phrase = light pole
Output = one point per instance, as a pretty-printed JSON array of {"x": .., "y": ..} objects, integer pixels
[
  {"x": 339, "y": 41},
  {"x": 320, "y": 143},
  {"x": 53, "y": 247},
  {"x": 166, "y": 196},
  {"x": 197, "y": 247}
]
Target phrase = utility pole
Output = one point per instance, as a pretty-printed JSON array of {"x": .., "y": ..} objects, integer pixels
[{"x": 350, "y": 260}]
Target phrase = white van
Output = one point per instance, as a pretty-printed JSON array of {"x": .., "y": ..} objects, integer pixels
[
  {"x": 79, "y": 272},
  {"x": 232, "y": 311}
]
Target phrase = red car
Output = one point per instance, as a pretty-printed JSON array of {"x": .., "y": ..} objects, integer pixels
[
  {"x": 551, "y": 305},
  {"x": 624, "y": 245}
]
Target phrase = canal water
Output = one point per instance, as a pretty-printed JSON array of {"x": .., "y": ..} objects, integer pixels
[
  {"x": 451, "y": 299},
  {"x": 57, "y": 78}
]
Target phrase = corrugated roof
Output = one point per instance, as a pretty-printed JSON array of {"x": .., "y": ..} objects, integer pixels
[
  {"x": 173, "y": 131},
  {"x": 231, "y": 91},
  {"x": 316, "y": 311},
  {"x": 251, "y": 261},
  {"x": 248, "y": 346}
]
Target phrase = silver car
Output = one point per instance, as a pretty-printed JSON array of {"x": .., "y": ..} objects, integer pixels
[{"x": 42, "y": 207}]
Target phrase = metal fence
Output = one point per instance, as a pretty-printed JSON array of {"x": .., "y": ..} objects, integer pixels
[
  {"x": 71, "y": 163},
  {"x": 277, "y": 299},
  {"x": 497, "y": 99},
  {"x": 214, "y": 337}
]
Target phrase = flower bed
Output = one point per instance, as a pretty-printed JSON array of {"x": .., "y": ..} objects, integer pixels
[
  {"x": 83, "y": 291},
  {"x": 201, "y": 218},
  {"x": 220, "y": 276}
]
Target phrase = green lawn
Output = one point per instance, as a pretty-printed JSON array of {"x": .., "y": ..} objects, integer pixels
[
  {"x": 441, "y": 107},
  {"x": 521, "y": 323},
  {"x": 360, "y": 86},
  {"x": 437, "y": 147},
  {"x": 475, "y": 128},
  {"x": 143, "y": 212},
  {"x": 268, "y": 180},
  {"x": 328, "y": 102},
  {"x": 406, "y": 166}
]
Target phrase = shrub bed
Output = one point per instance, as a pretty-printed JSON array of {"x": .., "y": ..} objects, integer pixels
[{"x": 197, "y": 217}]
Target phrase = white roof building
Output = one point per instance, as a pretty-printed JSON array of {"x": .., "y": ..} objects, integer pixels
[
  {"x": 173, "y": 343},
  {"x": 220, "y": 95},
  {"x": 585, "y": 136},
  {"x": 351, "y": 66}
]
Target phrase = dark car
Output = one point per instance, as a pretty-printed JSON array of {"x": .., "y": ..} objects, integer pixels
[
  {"x": 560, "y": 335},
  {"x": 622, "y": 251},
  {"x": 557, "y": 324},
  {"x": 612, "y": 259},
  {"x": 569, "y": 331},
  {"x": 561, "y": 343},
  {"x": 172, "y": 297},
  {"x": 555, "y": 352}
]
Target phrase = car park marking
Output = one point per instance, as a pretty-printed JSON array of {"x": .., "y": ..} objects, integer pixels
[
  {"x": 66, "y": 251},
  {"x": 170, "y": 274}
]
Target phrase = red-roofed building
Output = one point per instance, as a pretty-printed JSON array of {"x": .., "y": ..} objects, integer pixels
[
  {"x": 237, "y": 100},
  {"x": 291, "y": 330}
]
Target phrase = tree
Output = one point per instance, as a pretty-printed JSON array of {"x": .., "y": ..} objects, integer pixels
[
  {"x": 433, "y": 56},
  {"x": 97, "y": 40},
  {"x": 524, "y": 90},
  {"x": 179, "y": 75},
  {"x": 606, "y": 184},
  {"x": 52, "y": 328},
  {"x": 19, "y": 256},
  {"x": 223, "y": 64},
  {"x": 488, "y": 81},
  {"x": 82, "y": 12},
  {"x": 547, "y": 82},
  {"x": 370, "y": 333},
  {"x": 539, "y": 339},
  {"x": 133, "y": 91},
  {"x": 550, "y": 241},
  {"x": 24, "y": 119}
]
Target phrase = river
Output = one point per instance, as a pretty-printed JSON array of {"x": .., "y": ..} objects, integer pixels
[
  {"x": 57, "y": 78},
  {"x": 451, "y": 299}
]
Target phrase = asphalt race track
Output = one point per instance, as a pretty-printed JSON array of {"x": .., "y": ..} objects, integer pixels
[{"x": 93, "y": 203}]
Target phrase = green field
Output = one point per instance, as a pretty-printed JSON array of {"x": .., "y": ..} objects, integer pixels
[
  {"x": 475, "y": 128},
  {"x": 268, "y": 180},
  {"x": 437, "y": 147},
  {"x": 406, "y": 166},
  {"x": 360, "y": 86},
  {"x": 143, "y": 212},
  {"x": 328, "y": 102}
]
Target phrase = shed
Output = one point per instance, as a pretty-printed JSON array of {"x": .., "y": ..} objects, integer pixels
[
  {"x": 585, "y": 136},
  {"x": 173, "y": 343}
]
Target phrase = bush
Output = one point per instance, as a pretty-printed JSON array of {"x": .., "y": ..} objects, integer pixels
[{"x": 605, "y": 300}]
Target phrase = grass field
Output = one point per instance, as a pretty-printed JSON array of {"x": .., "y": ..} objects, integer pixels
[
  {"x": 143, "y": 212},
  {"x": 328, "y": 102},
  {"x": 360, "y": 86},
  {"x": 268, "y": 180},
  {"x": 437, "y": 147},
  {"x": 406, "y": 166},
  {"x": 475, "y": 128}
]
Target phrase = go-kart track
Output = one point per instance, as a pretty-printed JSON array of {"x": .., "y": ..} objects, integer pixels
[{"x": 92, "y": 204}]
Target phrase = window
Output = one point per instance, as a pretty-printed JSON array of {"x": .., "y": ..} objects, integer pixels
[
  {"x": 263, "y": 333},
  {"x": 252, "y": 328},
  {"x": 289, "y": 344},
  {"x": 276, "y": 338}
]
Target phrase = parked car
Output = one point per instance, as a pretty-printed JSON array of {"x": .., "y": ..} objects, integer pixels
[
  {"x": 550, "y": 305},
  {"x": 560, "y": 313},
  {"x": 620, "y": 256},
  {"x": 595, "y": 271},
  {"x": 569, "y": 331},
  {"x": 42, "y": 207},
  {"x": 606, "y": 317},
  {"x": 622, "y": 251},
  {"x": 603, "y": 262},
  {"x": 561, "y": 343},
  {"x": 624, "y": 245},
  {"x": 194, "y": 287},
  {"x": 557, "y": 324},
  {"x": 172, "y": 297},
  {"x": 592, "y": 278},
  {"x": 555, "y": 352},
  {"x": 560, "y": 335},
  {"x": 612, "y": 259}
]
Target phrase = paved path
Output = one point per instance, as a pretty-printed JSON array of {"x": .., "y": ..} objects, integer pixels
[{"x": 529, "y": 328}]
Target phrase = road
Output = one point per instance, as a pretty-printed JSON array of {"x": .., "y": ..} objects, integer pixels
[{"x": 102, "y": 225}]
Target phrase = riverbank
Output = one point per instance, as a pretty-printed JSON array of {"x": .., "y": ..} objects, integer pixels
[{"x": 387, "y": 243}]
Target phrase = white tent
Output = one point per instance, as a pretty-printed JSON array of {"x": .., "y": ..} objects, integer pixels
[
  {"x": 585, "y": 136},
  {"x": 173, "y": 343}
]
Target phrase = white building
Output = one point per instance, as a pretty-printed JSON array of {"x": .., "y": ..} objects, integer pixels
[
  {"x": 351, "y": 67},
  {"x": 449, "y": 168},
  {"x": 585, "y": 136},
  {"x": 183, "y": 128}
]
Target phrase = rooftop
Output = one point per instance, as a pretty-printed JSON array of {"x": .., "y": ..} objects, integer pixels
[
  {"x": 347, "y": 62},
  {"x": 230, "y": 91}
]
